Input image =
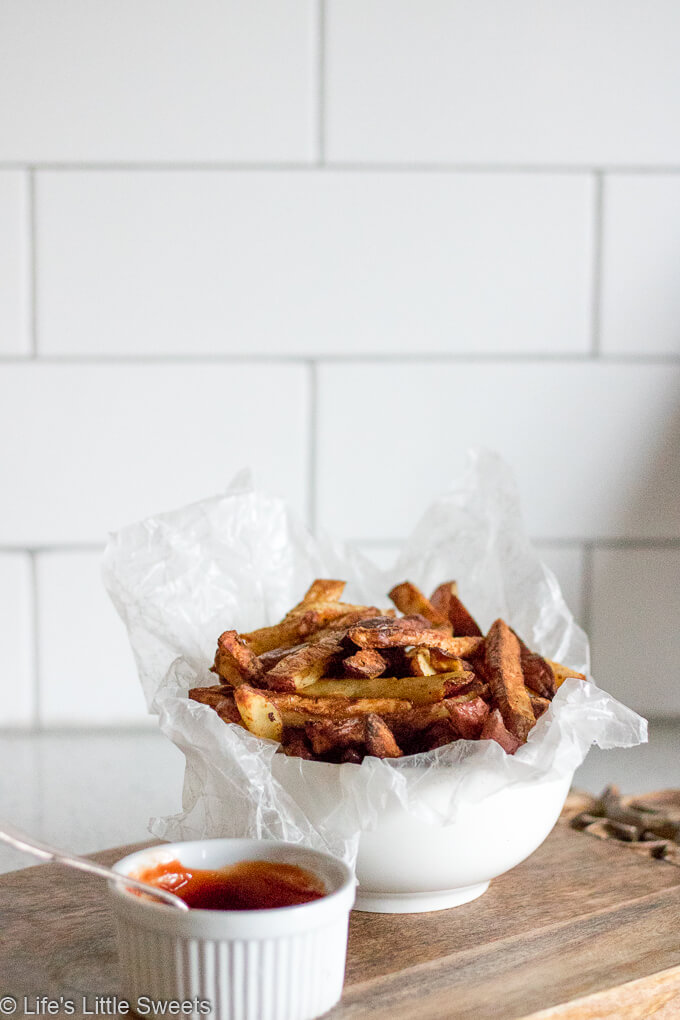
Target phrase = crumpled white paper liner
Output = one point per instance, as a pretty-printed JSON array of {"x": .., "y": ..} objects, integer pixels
[{"x": 241, "y": 560}]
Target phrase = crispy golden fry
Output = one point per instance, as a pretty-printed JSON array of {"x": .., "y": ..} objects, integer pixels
[
  {"x": 504, "y": 674},
  {"x": 221, "y": 699},
  {"x": 380, "y": 742},
  {"x": 326, "y": 735},
  {"x": 235, "y": 661},
  {"x": 468, "y": 717},
  {"x": 420, "y": 690},
  {"x": 537, "y": 671},
  {"x": 405, "y": 631},
  {"x": 418, "y": 717},
  {"x": 259, "y": 713},
  {"x": 410, "y": 601},
  {"x": 364, "y": 663},
  {"x": 302, "y": 667},
  {"x": 446, "y": 602},
  {"x": 305, "y": 620},
  {"x": 563, "y": 673},
  {"x": 298, "y": 709},
  {"x": 324, "y": 590},
  {"x": 494, "y": 729}
]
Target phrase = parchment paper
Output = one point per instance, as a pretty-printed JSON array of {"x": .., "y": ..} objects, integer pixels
[{"x": 241, "y": 560}]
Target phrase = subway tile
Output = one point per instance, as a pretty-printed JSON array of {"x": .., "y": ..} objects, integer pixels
[
  {"x": 635, "y": 636},
  {"x": 14, "y": 263},
  {"x": 495, "y": 82},
  {"x": 87, "y": 672},
  {"x": 16, "y": 640},
  {"x": 313, "y": 263},
  {"x": 641, "y": 265},
  {"x": 593, "y": 445},
  {"x": 88, "y": 448},
  {"x": 567, "y": 564},
  {"x": 157, "y": 80}
]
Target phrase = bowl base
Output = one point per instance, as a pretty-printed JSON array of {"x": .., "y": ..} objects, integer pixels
[{"x": 417, "y": 903}]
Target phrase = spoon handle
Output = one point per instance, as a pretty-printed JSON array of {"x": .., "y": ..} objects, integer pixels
[{"x": 20, "y": 841}]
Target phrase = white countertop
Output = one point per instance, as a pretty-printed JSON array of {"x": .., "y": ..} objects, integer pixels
[{"x": 89, "y": 790}]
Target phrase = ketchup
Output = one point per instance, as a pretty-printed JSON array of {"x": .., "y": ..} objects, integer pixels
[{"x": 248, "y": 885}]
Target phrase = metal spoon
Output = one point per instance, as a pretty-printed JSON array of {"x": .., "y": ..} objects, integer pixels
[{"x": 19, "y": 840}]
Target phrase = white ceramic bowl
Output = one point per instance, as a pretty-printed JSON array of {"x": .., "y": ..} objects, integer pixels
[
  {"x": 406, "y": 865},
  {"x": 281, "y": 964}
]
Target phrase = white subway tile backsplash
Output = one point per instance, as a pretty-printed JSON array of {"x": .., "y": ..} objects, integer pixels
[
  {"x": 88, "y": 448},
  {"x": 487, "y": 82},
  {"x": 593, "y": 445},
  {"x": 14, "y": 263},
  {"x": 87, "y": 672},
  {"x": 635, "y": 635},
  {"x": 17, "y": 703},
  {"x": 157, "y": 80},
  {"x": 313, "y": 263},
  {"x": 641, "y": 265}
]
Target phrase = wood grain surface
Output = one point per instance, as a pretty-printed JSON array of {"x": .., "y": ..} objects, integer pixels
[{"x": 583, "y": 929}]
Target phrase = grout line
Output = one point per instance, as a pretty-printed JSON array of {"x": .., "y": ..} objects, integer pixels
[
  {"x": 52, "y": 547},
  {"x": 312, "y": 450},
  {"x": 598, "y": 249},
  {"x": 342, "y": 166},
  {"x": 321, "y": 83},
  {"x": 35, "y": 623},
  {"x": 587, "y": 587},
  {"x": 578, "y": 541},
  {"x": 32, "y": 265},
  {"x": 463, "y": 357}
]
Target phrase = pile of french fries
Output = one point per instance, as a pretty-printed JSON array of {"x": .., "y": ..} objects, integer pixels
[{"x": 335, "y": 682}]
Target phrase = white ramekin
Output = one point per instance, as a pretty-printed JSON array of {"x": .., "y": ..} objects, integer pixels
[{"x": 282, "y": 964}]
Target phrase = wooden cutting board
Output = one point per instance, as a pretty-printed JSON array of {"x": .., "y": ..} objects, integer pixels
[{"x": 583, "y": 929}]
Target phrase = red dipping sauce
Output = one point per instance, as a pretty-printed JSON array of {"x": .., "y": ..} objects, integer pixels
[{"x": 248, "y": 885}]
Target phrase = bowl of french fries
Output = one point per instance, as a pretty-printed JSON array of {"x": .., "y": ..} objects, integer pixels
[{"x": 336, "y": 684}]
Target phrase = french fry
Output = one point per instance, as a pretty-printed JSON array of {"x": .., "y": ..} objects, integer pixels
[
  {"x": 235, "y": 661},
  {"x": 539, "y": 705},
  {"x": 468, "y": 717},
  {"x": 405, "y": 631},
  {"x": 445, "y": 600},
  {"x": 410, "y": 601},
  {"x": 420, "y": 690},
  {"x": 380, "y": 742},
  {"x": 563, "y": 673},
  {"x": 364, "y": 663},
  {"x": 324, "y": 590},
  {"x": 305, "y": 620},
  {"x": 326, "y": 735},
  {"x": 420, "y": 661},
  {"x": 438, "y": 734},
  {"x": 494, "y": 729},
  {"x": 220, "y": 699},
  {"x": 303, "y": 667},
  {"x": 298, "y": 709},
  {"x": 504, "y": 674},
  {"x": 537, "y": 671},
  {"x": 259, "y": 714},
  {"x": 295, "y": 744}
]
